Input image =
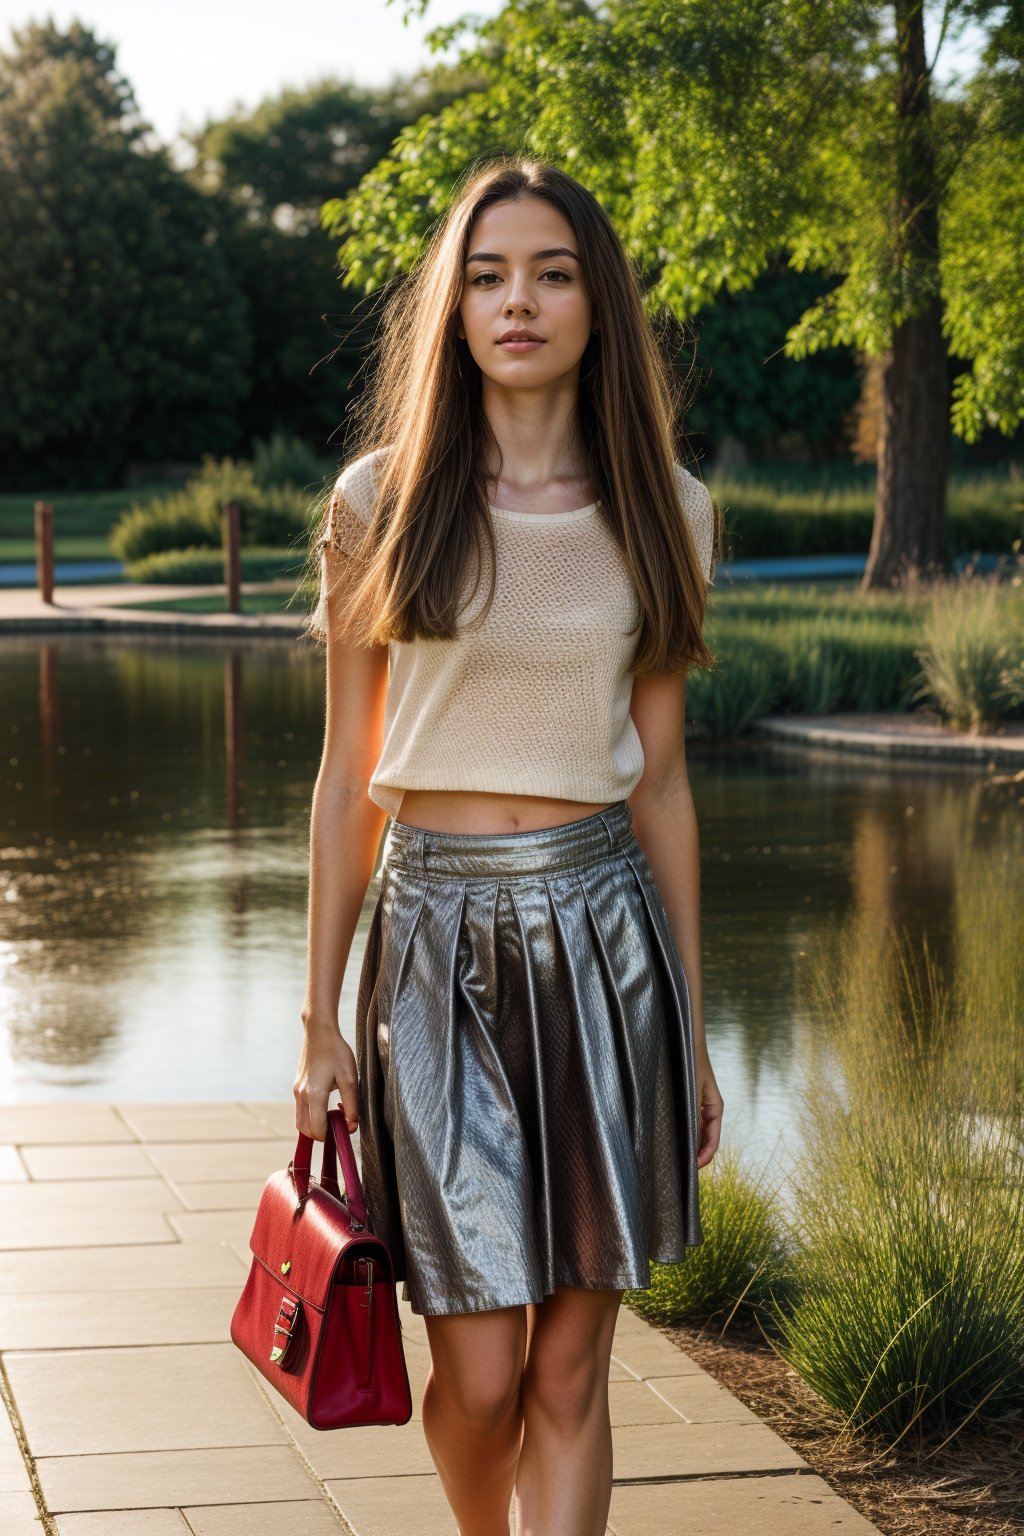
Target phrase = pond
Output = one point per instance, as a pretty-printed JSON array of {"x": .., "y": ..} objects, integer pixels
[{"x": 155, "y": 796}]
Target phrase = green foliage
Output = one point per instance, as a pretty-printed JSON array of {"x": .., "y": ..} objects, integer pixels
[
  {"x": 171, "y": 522},
  {"x": 750, "y": 389},
  {"x": 201, "y": 564},
  {"x": 273, "y": 514},
  {"x": 741, "y": 1263},
  {"x": 742, "y": 688},
  {"x": 284, "y": 460},
  {"x": 266, "y": 172},
  {"x": 972, "y": 655},
  {"x": 986, "y": 513},
  {"x": 122, "y": 325},
  {"x": 780, "y": 648},
  {"x": 983, "y": 230},
  {"x": 781, "y": 118},
  {"x": 908, "y": 1216}
]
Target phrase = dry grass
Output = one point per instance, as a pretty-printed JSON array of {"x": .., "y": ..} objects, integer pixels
[{"x": 974, "y": 1487}]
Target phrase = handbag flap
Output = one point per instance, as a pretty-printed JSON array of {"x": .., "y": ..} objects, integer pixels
[{"x": 301, "y": 1241}]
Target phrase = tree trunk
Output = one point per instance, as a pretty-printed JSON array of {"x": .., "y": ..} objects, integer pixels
[{"x": 909, "y": 533}]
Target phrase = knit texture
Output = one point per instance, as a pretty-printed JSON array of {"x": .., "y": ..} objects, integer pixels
[{"x": 535, "y": 700}]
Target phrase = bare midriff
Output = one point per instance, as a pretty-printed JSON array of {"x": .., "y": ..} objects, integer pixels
[{"x": 471, "y": 810}]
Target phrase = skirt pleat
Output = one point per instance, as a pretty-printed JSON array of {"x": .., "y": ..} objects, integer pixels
[{"x": 527, "y": 1110}]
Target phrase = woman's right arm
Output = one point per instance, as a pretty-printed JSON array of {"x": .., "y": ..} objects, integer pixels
[{"x": 345, "y": 832}]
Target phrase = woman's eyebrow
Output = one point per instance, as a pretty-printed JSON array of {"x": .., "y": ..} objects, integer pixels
[{"x": 556, "y": 250}]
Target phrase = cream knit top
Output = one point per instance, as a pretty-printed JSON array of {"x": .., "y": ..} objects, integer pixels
[{"x": 535, "y": 700}]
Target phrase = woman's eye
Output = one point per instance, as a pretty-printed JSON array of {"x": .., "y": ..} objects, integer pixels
[{"x": 553, "y": 273}]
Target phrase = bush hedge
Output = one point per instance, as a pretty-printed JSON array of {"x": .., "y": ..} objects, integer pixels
[
  {"x": 190, "y": 518},
  {"x": 985, "y": 515},
  {"x": 199, "y": 564}
]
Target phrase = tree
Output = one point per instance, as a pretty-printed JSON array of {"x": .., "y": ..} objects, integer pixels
[
  {"x": 267, "y": 172},
  {"x": 124, "y": 334},
  {"x": 722, "y": 137}
]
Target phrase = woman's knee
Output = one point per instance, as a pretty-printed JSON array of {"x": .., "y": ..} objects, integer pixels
[
  {"x": 477, "y": 1362},
  {"x": 567, "y": 1367}
]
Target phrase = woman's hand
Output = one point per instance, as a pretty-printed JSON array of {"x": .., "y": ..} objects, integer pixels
[
  {"x": 326, "y": 1062},
  {"x": 711, "y": 1106}
]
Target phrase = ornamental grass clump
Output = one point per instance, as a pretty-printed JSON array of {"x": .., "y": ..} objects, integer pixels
[
  {"x": 908, "y": 1196},
  {"x": 739, "y": 1265},
  {"x": 971, "y": 658}
]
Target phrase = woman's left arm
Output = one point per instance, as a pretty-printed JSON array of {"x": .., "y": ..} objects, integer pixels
[{"x": 665, "y": 823}]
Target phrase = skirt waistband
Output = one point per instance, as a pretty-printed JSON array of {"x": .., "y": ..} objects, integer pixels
[{"x": 571, "y": 845}]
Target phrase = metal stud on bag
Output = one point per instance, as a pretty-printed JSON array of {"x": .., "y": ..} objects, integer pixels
[{"x": 291, "y": 1311}]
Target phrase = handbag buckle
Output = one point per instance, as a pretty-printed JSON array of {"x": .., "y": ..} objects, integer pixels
[{"x": 288, "y": 1317}]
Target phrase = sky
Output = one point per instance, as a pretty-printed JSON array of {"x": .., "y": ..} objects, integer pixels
[{"x": 196, "y": 59}]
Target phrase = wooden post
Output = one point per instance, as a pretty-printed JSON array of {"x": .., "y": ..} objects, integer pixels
[
  {"x": 231, "y": 526},
  {"x": 44, "y": 550}
]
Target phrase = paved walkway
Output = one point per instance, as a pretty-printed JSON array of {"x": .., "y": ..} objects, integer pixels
[
  {"x": 109, "y": 606},
  {"x": 124, "y": 1235}
]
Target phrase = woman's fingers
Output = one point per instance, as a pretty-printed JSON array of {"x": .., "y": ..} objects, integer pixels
[
  {"x": 325, "y": 1065},
  {"x": 711, "y": 1111}
]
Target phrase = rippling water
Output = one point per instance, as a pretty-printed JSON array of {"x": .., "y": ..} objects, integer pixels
[{"x": 154, "y": 817}]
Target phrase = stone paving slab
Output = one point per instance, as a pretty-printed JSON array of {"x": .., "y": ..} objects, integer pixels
[
  {"x": 289, "y": 1517},
  {"x": 206, "y": 1122},
  {"x": 72, "y": 1213},
  {"x": 97, "y": 1160},
  {"x": 791, "y": 1505},
  {"x": 175, "y": 1479},
  {"x": 156, "y": 1398},
  {"x": 143, "y": 1419},
  {"x": 136, "y": 1268},
  {"x": 12, "y": 1165},
  {"x": 124, "y": 1522},
  {"x": 199, "y": 1160},
  {"x": 72, "y": 1124},
  {"x": 19, "y": 1516},
  {"x": 89, "y": 1320}
]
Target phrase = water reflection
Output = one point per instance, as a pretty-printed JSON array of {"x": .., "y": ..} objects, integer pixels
[{"x": 155, "y": 795}]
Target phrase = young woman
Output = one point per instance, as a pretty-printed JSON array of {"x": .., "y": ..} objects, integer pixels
[{"x": 514, "y": 573}]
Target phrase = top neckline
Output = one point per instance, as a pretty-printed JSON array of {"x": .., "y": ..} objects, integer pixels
[{"x": 544, "y": 517}]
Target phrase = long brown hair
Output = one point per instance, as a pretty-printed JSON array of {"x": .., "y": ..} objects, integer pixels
[{"x": 431, "y": 515}]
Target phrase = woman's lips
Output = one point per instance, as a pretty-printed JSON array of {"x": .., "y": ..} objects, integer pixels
[{"x": 519, "y": 346}]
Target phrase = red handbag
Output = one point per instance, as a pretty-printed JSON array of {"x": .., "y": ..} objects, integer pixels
[{"x": 318, "y": 1316}]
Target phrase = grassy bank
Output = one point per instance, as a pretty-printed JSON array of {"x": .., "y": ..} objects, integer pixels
[
  {"x": 892, "y": 1277},
  {"x": 955, "y": 648}
]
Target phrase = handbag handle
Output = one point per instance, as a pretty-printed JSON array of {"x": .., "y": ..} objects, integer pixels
[{"x": 337, "y": 1144}]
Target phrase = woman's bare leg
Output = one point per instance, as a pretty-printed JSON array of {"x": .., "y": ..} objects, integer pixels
[
  {"x": 473, "y": 1415},
  {"x": 564, "y": 1478}
]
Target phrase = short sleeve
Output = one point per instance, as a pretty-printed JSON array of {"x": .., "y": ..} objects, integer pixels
[
  {"x": 348, "y": 516},
  {"x": 700, "y": 515},
  {"x": 351, "y": 504}
]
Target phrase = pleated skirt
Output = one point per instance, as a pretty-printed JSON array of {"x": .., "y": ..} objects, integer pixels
[{"x": 527, "y": 1107}]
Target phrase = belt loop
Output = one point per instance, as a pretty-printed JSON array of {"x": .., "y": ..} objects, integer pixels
[
  {"x": 612, "y": 843},
  {"x": 421, "y": 850}
]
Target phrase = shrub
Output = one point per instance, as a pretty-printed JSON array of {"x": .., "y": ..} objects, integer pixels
[
  {"x": 191, "y": 518},
  {"x": 283, "y": 460},
  {"x": 199, "y": 565},
  {"x": 971, "y": 657},
  {"x": 908, "y": 1219},
  {"x": 763, "y": 517},
  {"x": 177, "y": 521},
  {"x": 740, "y": 1263},
  {"x": 741, "y": 688}
]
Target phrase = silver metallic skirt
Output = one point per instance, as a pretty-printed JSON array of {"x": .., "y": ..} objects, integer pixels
[{"x": 527, "y": 1105}]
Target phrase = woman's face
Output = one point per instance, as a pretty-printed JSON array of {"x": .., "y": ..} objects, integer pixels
[{"x": 510, "y": 284}]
